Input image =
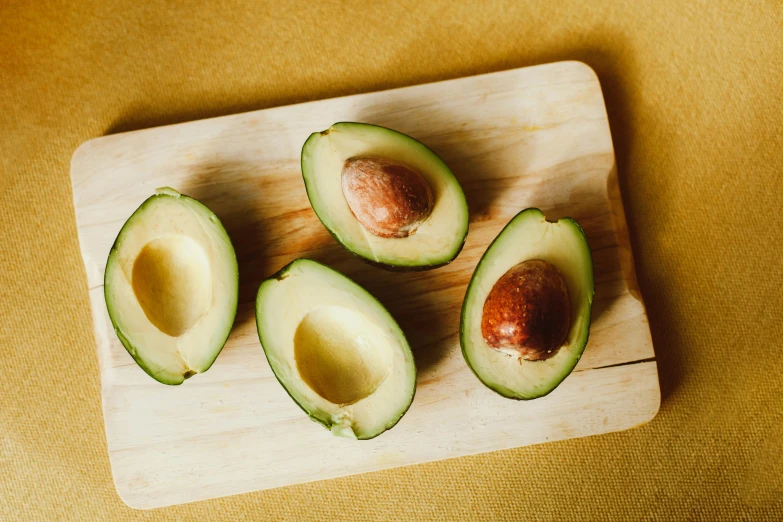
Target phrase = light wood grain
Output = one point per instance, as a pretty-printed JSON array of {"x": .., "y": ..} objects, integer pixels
[{"x": 527, "y": 137}]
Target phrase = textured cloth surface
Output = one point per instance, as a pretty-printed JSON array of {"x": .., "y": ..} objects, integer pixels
[{"x": 694, "y": 95}]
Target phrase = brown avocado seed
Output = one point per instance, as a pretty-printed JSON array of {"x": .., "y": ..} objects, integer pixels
[
  {"x": 528, "y": 312},
  {"x": 389, "y": 198}
]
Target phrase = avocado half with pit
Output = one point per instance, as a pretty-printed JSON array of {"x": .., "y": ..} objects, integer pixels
[
  {"x": 171, "y": 286},
  {"x": 385, "y": 196},
  {"x": 335, "y": 349},
  {"x": 526, "y": 315}
]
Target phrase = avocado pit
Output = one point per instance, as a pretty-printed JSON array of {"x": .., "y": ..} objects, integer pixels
[
  {"x": 389, "y": 198},
  {"x": 528, "y": 311}
]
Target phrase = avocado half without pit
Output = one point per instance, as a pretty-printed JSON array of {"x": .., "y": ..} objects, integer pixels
[
  {"x": 526, "y": 315},
  {"x": 335, "y": 349},
  {"x": 171, "y": 286},
  {"x": 385, "y": 196}
]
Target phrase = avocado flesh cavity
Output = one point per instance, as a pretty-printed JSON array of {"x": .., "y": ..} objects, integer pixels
[
  {"x": 436, "y": 242},
  {"x": 171, "y": 286},
  {"x": 529, "y": 236},
  {"x": 335, "y": 349}
]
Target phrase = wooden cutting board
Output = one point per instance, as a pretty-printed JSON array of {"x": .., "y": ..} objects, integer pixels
[{"x": 537, "y": 136}]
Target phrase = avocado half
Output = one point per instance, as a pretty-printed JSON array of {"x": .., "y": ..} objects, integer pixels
[
  {"x": 529, "y": 236},
  {"x": 171, "y": 286},
  {"x": 335, "y": 349},
  {"x": 436, "y": 242}
]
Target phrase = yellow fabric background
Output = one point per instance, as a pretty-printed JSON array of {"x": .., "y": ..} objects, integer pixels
[{"x": 695, "y": 96}]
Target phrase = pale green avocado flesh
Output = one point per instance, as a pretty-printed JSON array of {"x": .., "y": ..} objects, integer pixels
[
  {"x": 435, "y": 243},
  {"x": 335, "y": 349},
  {"x": 529, "y": 236},
  {"x": 171, "y": 286}
]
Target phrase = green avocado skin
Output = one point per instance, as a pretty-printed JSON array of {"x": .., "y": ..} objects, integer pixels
[
  {"x": 325, "y": 422},
  {"x": 392, "y": 267},
  {"x": 496, "y": 387},
  {"x": 407, "y": 268},
  {"x": 162, "y": 377}
]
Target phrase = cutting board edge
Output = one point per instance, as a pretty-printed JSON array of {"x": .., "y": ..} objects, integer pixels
[{"x": 142, "y": 501}]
